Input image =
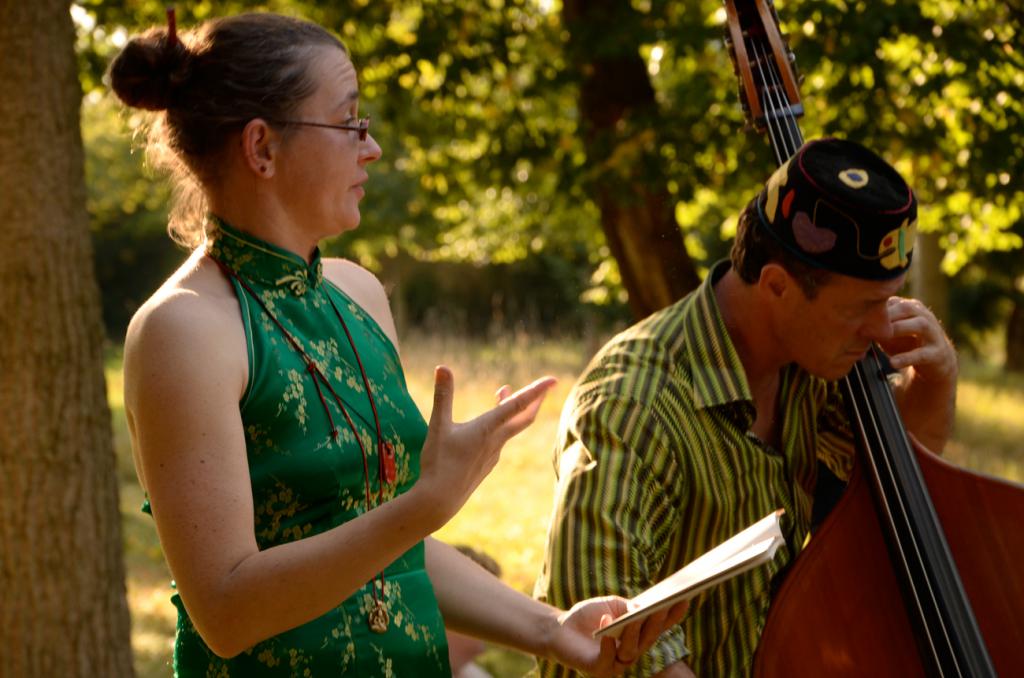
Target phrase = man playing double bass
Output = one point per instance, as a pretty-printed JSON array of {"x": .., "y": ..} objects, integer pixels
[{"x": 704, "y": 417}]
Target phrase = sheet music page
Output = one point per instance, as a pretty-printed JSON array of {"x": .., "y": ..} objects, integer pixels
[{"x": 749, "y": 548}]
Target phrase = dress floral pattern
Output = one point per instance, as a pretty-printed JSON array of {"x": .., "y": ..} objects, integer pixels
[{"x": 305, "y": 481}]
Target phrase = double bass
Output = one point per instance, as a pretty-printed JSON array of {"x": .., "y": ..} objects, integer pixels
[{"x": 918, "y": 570}]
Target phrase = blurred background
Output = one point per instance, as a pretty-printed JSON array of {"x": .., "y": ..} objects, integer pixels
[{"x": 554, "y": 170}]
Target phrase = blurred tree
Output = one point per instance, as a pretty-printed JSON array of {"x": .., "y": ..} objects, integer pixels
[
  {"x": 512, "y": 127},
  {"x": 988, "y": 292},
  {"x": 61, "y": 570},
  {"x": 939, "y": 86},
  {"x": 620, "y": 122},
  {"x": 1015, "y": 335},
  {"x": 127, "y": 213}
]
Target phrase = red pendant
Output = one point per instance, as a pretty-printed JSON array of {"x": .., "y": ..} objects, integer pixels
[{"x": 387, "y": 457}]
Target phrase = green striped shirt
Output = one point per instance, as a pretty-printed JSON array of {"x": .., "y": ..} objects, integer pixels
[{"x": 656, "y": 465}]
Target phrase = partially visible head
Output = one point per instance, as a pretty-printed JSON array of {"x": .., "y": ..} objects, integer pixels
[
  {"x": 828, "y": 240},
  {"x": 480, "y": 558},
  {"x": 208, "y": 85}
]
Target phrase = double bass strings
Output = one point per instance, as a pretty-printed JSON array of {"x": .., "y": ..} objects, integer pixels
[
  {"x": 895, "y": 509},
  {"x": 779, "y": 118},
  {"x": 784, "y": 133}
]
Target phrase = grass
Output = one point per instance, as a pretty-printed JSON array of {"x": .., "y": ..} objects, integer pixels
[
  {"x": 507, "y": 517},
  {"x": 989, "y": 434}
]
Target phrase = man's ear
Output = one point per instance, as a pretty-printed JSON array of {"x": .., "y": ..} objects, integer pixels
[
  {"x": 259, "y": 147},
  {"x": 774, "y": 282}
]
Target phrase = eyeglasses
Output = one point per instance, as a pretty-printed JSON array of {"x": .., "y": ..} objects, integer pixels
[{"x": 362, "y": 125}]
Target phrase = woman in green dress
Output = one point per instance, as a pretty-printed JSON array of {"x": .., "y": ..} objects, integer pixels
[{"x": 293, "y": 483}]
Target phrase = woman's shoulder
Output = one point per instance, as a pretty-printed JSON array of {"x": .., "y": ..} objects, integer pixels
[
  {"x": 195, "y": 292},
  {"x": 364, "y": 288},
  {"x": 194, "y": 315},
  {"x": 356, "y": 281}
]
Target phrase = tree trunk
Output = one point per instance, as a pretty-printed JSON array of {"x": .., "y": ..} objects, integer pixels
[
  {"x": 1015, "y": 338},
  {"x": 61, "y": 570},
  {"x": 927, "y": 281},
  {"x": 619, "y": 118}
]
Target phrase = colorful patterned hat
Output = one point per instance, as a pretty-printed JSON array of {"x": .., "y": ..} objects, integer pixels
[{"x": 838, "y": 206}]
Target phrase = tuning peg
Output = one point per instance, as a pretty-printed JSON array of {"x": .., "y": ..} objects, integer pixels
[{"x": 795, "y": 69}]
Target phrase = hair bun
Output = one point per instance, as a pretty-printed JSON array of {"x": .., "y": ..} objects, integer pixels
[{"x": 149, "y": 70}]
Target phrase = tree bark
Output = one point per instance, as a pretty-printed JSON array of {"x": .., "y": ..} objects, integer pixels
[
  {"x": 619, "y": 119},
  {"x": 927, "y": 281},
  {"x": 1015, "y": 338},
  {"x": 64, "y": 611}
]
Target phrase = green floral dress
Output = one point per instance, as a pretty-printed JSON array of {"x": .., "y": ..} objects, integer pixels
[{"x": 305, "y": 482}]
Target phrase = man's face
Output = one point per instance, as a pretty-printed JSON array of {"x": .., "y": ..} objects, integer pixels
[{"x": 826, "y": 335}]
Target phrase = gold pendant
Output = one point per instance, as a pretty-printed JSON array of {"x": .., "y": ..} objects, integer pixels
[{"x": 379, "y": 618}]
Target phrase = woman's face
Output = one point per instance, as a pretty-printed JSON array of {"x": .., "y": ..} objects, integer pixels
[{"x": 323, "y": 169}]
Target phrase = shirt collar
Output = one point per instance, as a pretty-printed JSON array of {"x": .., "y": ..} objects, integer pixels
[
  {"x": 717, "y": 374},
  {"x": 258, "y": 261}
]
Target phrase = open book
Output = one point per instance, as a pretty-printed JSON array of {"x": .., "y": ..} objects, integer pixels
[{"x": 745, "y": 550}]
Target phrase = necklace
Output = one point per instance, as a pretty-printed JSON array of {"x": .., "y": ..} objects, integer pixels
[{"x": 378, "y": 617}]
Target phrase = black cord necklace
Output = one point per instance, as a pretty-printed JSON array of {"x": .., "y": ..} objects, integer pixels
[{"x": 378, "y": 617}]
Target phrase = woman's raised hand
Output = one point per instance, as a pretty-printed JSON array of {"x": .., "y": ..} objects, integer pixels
[{"x": 458, "y": 456}]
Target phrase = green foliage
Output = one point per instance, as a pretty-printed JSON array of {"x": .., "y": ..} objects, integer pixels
[
  {"x": 955, "y": 74},
  {"x": 127, "y": 210},
  {"x": 539, "y": 294},
  {"x": 984, "y": 293},
  {"x": 476, "y": 106}
]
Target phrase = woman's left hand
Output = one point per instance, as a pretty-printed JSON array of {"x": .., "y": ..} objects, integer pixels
[{"x": 574, "y": 644}]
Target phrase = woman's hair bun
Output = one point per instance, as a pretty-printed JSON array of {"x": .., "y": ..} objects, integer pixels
[{"x": 149, "y": 70}]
